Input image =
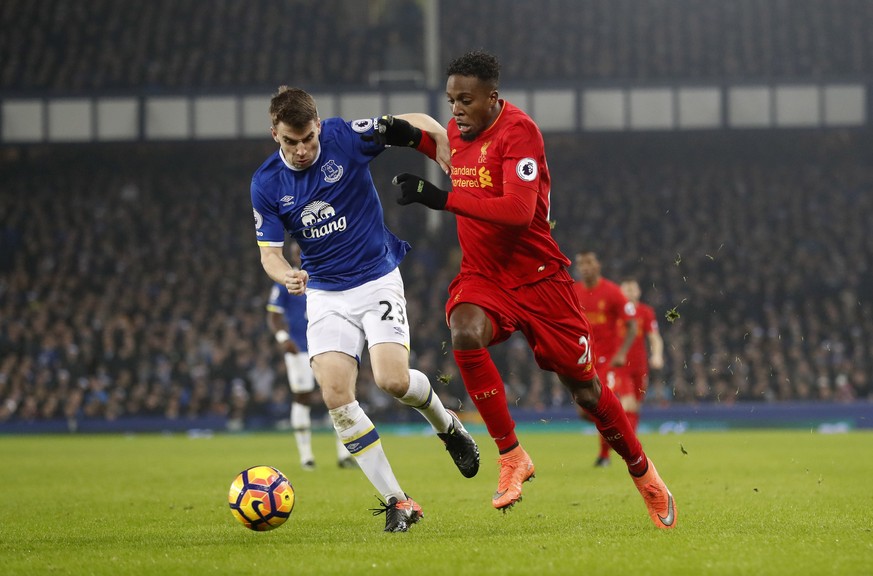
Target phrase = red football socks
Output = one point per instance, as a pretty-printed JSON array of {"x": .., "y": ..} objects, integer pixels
[
  {"x": 613, "y": 425},
  {"x": 485, "y": 387}
]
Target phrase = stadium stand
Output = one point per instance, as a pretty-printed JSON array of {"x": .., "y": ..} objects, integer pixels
[
  {"x": 129, "y": 279},
  {"x": 665, "y": 40},
  {"x": 159, "y": 45},
  {"x": 756, "y": 241},
  {"x": 135, "y": 289}
]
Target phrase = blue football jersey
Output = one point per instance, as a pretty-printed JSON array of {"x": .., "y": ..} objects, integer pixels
[
  {"x": 294, "y": 310},
  {"x": 331, "y": 208}
]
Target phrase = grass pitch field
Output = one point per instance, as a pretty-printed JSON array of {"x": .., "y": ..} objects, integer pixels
[{"x": 749, "y": 503}]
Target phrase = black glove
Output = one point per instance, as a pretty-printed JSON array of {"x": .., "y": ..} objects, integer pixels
[
  {"x": 393, "y": 131},
  {"x": 415, "y": 189}
]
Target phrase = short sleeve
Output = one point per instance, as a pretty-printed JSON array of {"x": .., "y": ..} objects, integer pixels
[{"x": 268, "y": 225}]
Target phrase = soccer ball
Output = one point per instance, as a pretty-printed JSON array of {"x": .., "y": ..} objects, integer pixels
[{"x": 261, "y": 498}]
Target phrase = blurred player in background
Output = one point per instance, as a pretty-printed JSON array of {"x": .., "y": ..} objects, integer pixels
[
  {"x": 317, "y": 186},
  {"x": 286, "y": 317},
  {"x": 513, "y": 277},
  {"x": 640, "y": 357},
  {"x": 613, "y": 328}
]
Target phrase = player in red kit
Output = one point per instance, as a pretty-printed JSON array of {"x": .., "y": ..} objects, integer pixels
[
  {"x": 513, "y": 277},
  {"x": 613, "y": 328},
  {"x": 639, "y": 358}
]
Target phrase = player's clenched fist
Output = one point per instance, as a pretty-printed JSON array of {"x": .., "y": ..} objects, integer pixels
[
  {"x": 392, "y": 131},
  {"x": 415, "y": 189},
  {"x": 295, "y": 281}
]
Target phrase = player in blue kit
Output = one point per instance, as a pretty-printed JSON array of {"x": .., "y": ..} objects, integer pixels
[
  {"x": 317, "y": 187},
  {"x": 286, "y": 317}
]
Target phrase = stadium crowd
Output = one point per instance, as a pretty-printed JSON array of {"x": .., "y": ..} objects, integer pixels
[
  {"x": 129, "y": 276},
  {"x": 757, "y": 243},
  {"x": 567, "y": 40},
  {"x": 165, "y": 45},
  {"x": 130, "y": 282}
]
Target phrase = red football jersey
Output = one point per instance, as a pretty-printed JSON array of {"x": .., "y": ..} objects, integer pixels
[
  {"x": 511, "y": 150},
  {"x": 607, "y": 310},
  {"x": 638, "y": 355}
]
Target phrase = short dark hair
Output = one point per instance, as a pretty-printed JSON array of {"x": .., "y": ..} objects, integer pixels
[
  {"x": 477, "y": 64},
  {"x": 293, "y": 106}
]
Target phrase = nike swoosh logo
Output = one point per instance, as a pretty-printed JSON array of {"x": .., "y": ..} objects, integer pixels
[
  {"x": 671, "y": 512},
  {"x": 498, "y": 495}
]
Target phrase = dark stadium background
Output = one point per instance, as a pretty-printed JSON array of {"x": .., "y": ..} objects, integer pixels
[{"x": 131, "y": 294}]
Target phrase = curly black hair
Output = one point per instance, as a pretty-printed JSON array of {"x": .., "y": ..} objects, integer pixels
[{"x": 477, "y": 64}]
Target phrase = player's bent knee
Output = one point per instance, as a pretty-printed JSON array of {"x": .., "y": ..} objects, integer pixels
[
  {"x": 395, "y": 386},
  {"x": 586, "y": 394},
  {"x": 469, "y": 337}
]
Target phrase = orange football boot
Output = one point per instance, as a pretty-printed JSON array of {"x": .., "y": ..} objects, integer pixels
[{"x": 516, "y": 467}]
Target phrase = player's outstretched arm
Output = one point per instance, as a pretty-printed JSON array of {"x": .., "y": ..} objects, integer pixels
[
  {"x": 438, "y": 134},
  {"x": 414, "y": 130},
  {"x": 394, "y": 131}
]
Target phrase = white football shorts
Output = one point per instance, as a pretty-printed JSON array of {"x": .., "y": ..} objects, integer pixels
[
  {"x": 300, "y": 377},
  {"x": 342, "y": 320}
]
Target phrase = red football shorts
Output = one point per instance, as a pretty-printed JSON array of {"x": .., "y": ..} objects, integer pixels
[
  {"x": 615, "y": 377},
  {"x": 633, "y": 384},
  {"x": 546, "y": 312}
]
